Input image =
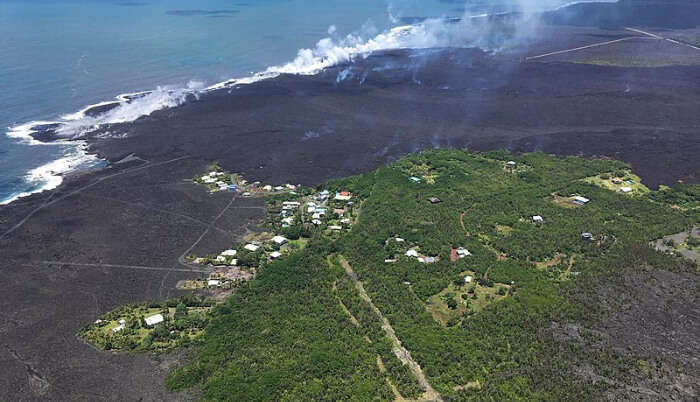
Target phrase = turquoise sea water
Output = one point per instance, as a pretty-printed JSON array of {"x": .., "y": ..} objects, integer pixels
[{"x": 58, "y": 56}]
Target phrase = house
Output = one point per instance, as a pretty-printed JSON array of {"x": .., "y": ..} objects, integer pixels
[
  {"x": 275, "y": 255},
  {"x": 321, "y": 211},
  {"x": 578, "y": 200},
  {"x": 537, "y": 219},
  {"x": 279, "y": 240},
  {"x": 311, "y": 209},
  {"x": 291, "y": 186},
  {"x": 626, "y": 190},
  {"x": 232, "y": 188},
  {"x": 288, "y": 220},
  {"x": 586, "y": 236},
  {"x": 291, "y": 203},
  {"x": 322, "y": 196},
  {"x": 345, "y": 221},
  {"x": 412, "y": 253},
  {"x": 251, "y": 247},
  {"x": 208, "y": 180},
  {"x": 617, "y": 180},
  {"x": 228, "y": 253},
  {"x": 154, "y": 320},
  {"x": 414, "y": 179},
  {"x": 463, "y": 252},
  {"x": 429, "y": 260},
  {"x": 421, "y": 259},
  {"x": 434, "y": 200},
  {"x": 213, "y": 283},
  {"x": 316, "y": 222},
  {"x": 279, "y": 188},
  {"x": 335, "y": 227},
  {"x": 399, "y": 240},
  {"x": 267, "y": 188},
  {"x": 343, "y": 196},
  {"x": 316, "y": 216},
  {"x": 390, "y": 260},
  {"x": 118, "y": 327},
  {"x": 510, "y": 164},
  {"x": 234, "y": 262},
  {"x": 468, "y": 279},
  {"x": 220, "y": 258}
]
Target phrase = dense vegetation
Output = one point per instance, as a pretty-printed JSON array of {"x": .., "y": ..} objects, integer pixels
[{"x": 300, "y": 331}]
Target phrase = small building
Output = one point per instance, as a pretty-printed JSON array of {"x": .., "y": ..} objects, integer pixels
[
  {"x": 345, "y": 221},
  {"x": 233, "y": 262},
  {"x": 154, "y": 319},
  {"x": 335, "y": 227},
  {"x": 390, "y": 260},
  {"x": 468, "y": 279},
  {"x": 626, "y": 190},
  {"x": 434, "y": 200},
  {"x": 586, "y": 236},
  {"x": 617, "y": 180},
  {"x": 399, "y": 240},
  {"x": 578, "y": 200},
  {"x": 220, "y": 258},
  {"x": 463, "y": 252},
  {"x": 412, "y": 253},
  {"x": 279, "y": 240},
  {"x": 537, "y": 219},
  {"x": 228, "y": 253},
  {"x": 291, "y": 203},
  {"x": 279, "y": 188},
  {"x": 246, "y": 194},
  {"x": 414, "y": 179},
  {"x": 311, "y": 209},
  {"x": 213, "y": 283},
  {"x": 316, "y": 222},
  {"x": 291, "y": 186},
  {"x": 316, "y": 216},
  {"x": 429, "y": 260},
  {"x": 267, "y": 188},
  {"x": 510, "y": 164},
  {"x": 275, "y": 254},
  {"x": 251, "y": 247},
  {"x": 288, "y": 220},
  {"x": 343, "y": 196},
  {"x": 118, "y": 327}
]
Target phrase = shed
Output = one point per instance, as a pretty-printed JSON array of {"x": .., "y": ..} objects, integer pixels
[
  {"x": 213, "y": 283},
  {"x": 335, "y": 227},
  {"x": 229, "y": 253},
  {"x": 537, "y": 219},
  {"x": 434, "y": 200},
  {"x": 154, "y": 319},
  {"x": 580, "y": 200},
  {"x": 587, "y": 236},
  {"x": 626, "y": 189},
  {"x": 414, "y": 179},
  {"x": 275, "y": 254},
  {"x": 510, "y": 163},
  {"x": 468, "y": 279}
]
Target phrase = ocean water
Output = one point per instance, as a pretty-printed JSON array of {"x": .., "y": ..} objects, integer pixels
[{"x": 59, "y": 56}]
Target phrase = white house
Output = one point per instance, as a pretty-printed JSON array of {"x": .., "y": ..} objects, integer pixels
[
  {"x": 343, "y": 196},
  {"x": 626, "y": 189},
  {"x": 580, "y": 200},
  {"x": 390, "y": 260},
  {"x": 399, "y": 240},
  {"x": 154, "y": 319},
  {"x": 412, "y": 253},
  {"x": 510, "y": 164},
  {"x": 267, "y": 188},
  {"x": 213, "y": 283},
  {"x": 279, "y": 240},
  {"x": 275, "y": 254},
  {"x": 208, "y": 179},
  {"x": 234, "y": 262},
  {"x": 228, "y": 253},
  {"x": 468, "y": 279},
  {"x": 220, "y": 258},
  {"x": 288, "y": 220},
  {"x": 463, "y": 252},
  {"x": 251, "y": 247},
  {"x": 335, "y": 227},
  {"x": 345, "y": 221},
  {"x": 537, "y": 219}
]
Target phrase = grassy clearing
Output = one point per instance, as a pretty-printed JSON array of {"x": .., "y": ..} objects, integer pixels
[{"x": 619, "y": 180}]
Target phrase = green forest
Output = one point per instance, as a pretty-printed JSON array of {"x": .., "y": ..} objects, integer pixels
[{"x": 301, "y": 330}]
